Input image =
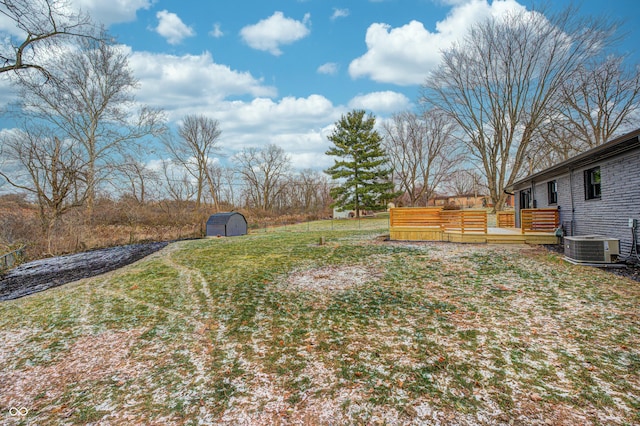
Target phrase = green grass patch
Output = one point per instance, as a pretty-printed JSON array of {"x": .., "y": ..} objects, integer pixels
[{"x": 214, "y": 331}]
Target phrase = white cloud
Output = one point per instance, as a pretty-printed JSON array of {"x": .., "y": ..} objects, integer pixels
[
  {"x": 406, "y": 54},
  {"x": 9, "y": 26},
  {"x": 216, "y": 32},
  {"x": 106, "y": 12},
  {"x": 328, "y": 68},
  {"x": 112, "y": 11},
  {"x": 249, "y": 112},
  {"x": 311, "y": 160},
  {"x": 297, "y": 125},
  {"x": 171, "y": 27},
  {"x": 8, "y": 92},
  {"x": 381, "y": 102},
  {"x": 339, "y": 13},
  {"x": 269, "y": 34},
  {"x": 246, "y": 108},
  {"x": 190, "y": 82},
  {"x": 283, "y": 116}
]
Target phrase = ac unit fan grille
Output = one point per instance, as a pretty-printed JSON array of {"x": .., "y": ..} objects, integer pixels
[
  {"x": 588, "y": 251},
  {"x": 592, "y": 249}
]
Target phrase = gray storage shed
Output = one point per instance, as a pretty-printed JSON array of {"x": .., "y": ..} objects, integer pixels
[{"x": 226, "y": 225}]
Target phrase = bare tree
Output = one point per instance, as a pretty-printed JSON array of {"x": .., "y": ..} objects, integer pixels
[
  {"x": 597, "y": 102},
  {"x": 215, "y": 173},
  {"x": 502, "y": 82},
  {"x": 91, "y": 102},
  {"x": 599, "y": 99},
  {"x": 50, "y": 169},
  {"x": 553, "y": 143},
  {"x": 194, "y": 150},
  {"x": 264, "y": 172},
  {"x": 313, "y": 189},
  {"x": 42, "y": 26},
  {"x": 178, "y": 185},
  {"x": 464, "y": 182},
  {"x": 422, "y": 151},
  {"x": 306, "y": 192},
  {"x": 138, "y": 178},
  {"x": 227, "y": 184}
]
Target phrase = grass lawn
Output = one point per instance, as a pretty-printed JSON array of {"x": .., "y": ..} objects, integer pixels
[{"x": 273, "y": 328}]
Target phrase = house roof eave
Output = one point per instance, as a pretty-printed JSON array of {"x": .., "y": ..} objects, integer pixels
[{"x": 617, "y": 146}]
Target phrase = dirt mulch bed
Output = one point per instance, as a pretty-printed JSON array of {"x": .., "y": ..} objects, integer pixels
[{"x": 43, "y": 274}]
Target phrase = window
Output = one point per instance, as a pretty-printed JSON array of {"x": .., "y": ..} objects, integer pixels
[
  {"x": 592, "y": 184},
  {"x": 552, "y": 192}
]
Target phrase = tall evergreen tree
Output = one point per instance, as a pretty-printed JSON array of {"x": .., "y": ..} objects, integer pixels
[{"x": 364, "y": 179}]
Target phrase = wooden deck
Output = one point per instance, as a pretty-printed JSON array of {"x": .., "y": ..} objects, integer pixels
[
  {"x": 462, "y": 226},
  {"x": 492, "y": 236}
]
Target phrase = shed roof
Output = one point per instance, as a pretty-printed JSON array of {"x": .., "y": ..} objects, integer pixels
[
  {"x": 222, "y": 218},
  {"x": 617, "y": 146}
]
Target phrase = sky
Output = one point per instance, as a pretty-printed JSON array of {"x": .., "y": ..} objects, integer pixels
[{"x": 284, "y": 71}]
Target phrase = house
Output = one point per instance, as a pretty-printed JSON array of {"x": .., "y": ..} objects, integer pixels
[
  {"x": 465, "y": 201},
  {"x": 348, "y": 214},
  {"x": 342, "y": 214},
  {"x": 462, "y": 201},
  {"x": 596, "y": 192}
]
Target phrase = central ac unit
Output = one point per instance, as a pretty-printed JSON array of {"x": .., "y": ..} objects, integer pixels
[{"x": 591, "y": 249}]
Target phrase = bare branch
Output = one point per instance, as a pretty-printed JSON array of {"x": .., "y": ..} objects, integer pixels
[
  {"x": 44, "y": 25},
  {"x": 264, "y": 172},
  {"x": 422, "y": 151},
  {"x": 90, "y": 101}
]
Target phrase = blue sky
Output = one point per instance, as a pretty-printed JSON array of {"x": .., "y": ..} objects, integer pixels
[{"x": 284, "y": 71}]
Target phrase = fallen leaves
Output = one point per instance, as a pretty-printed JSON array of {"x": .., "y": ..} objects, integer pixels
[{"x": 535, "y": 397}]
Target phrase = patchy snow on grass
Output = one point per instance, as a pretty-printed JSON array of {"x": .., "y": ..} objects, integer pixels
[
  {"x": 407, "y": 333},
  {"x": 90, "y": 359},
  {"x": 330, "y": 278}
]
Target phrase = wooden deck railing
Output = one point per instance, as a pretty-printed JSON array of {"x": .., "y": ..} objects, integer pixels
[
  {"x": 467, "y": 226},
  {"x": 464, "y": 221},
  {"x": 415, "y": 216},
  {"x": 539, "y": 220},
  {"x": 506, "y": 219}
]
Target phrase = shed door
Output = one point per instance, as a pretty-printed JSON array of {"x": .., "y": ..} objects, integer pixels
[{"x": 236, "y": 226}]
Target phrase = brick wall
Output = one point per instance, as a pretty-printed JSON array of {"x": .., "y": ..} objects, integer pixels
[{"x": 609, "y": 215}]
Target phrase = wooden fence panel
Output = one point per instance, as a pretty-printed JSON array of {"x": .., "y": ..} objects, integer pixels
[
  {"x": 451, "y": 220},
  {"x": 415, "y": 216},
  {"x": 506, "y": 219},
  {"x": 465, "y": 221},
  {"x": 539, "y": 220}
]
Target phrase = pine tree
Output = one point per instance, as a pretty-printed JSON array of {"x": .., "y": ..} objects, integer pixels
[{"x": 365, "y": 182}]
